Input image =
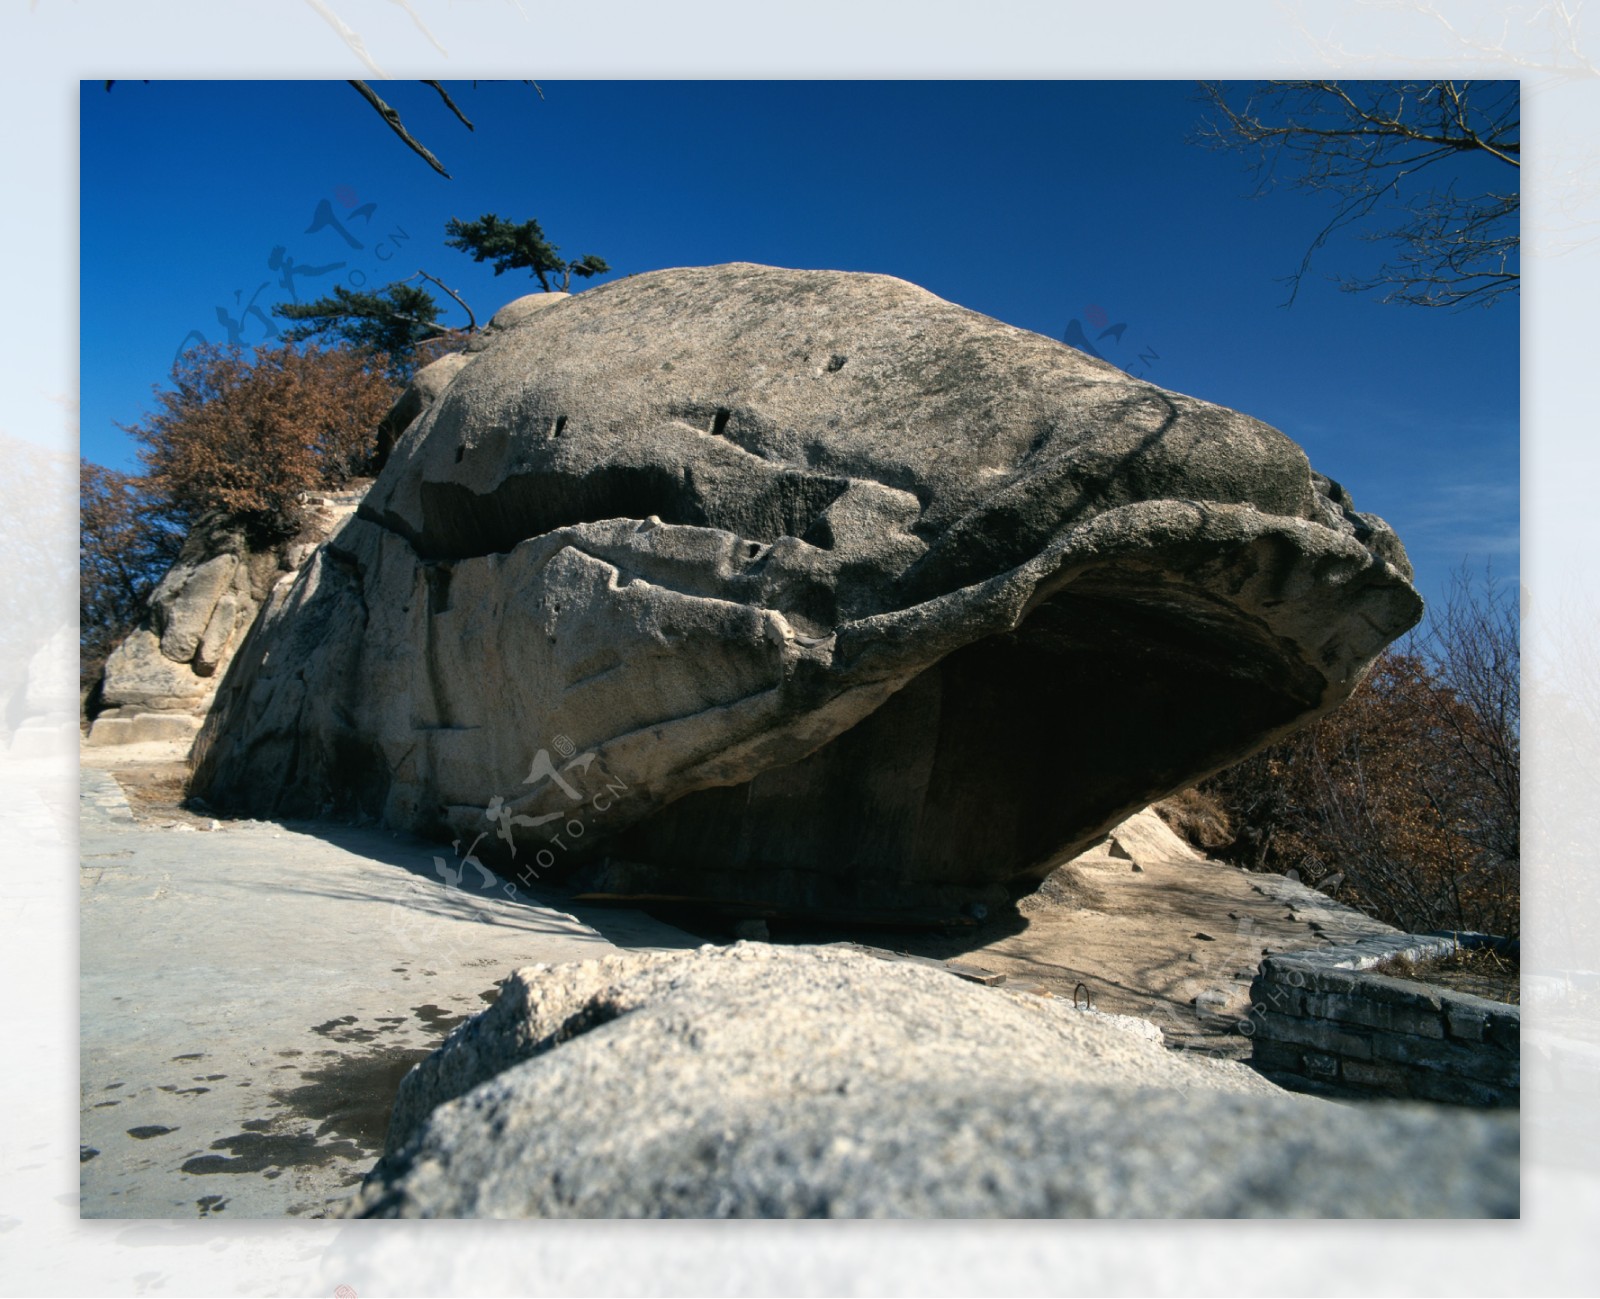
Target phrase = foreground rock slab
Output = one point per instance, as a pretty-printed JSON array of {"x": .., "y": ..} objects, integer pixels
[
  {"x": 758, "y": 1081},
  {"x": 800, "y": 592}
]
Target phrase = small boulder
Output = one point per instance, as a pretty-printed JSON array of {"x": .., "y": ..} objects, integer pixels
[
  {"x": 423, "y": 390},
  {"x": 525, "y": 308}
]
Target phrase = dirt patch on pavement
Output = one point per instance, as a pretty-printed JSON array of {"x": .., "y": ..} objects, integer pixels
[
  {"x": 154, "y": 778},
  {"x": 153, "y": 790}
]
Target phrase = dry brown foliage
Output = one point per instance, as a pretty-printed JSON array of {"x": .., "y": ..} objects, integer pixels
[
  {"x": 1199, "y": 816},
  {"x": 1403, "y": 800},
  {"x": 247, "y": 434}
]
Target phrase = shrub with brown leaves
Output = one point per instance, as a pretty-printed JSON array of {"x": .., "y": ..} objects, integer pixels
[
  {"x": 246, "y": 435},
  {"x": 1404, "y": 800}
]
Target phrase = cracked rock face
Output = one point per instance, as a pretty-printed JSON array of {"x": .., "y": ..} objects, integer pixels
[{"x": 800, "y": 591}]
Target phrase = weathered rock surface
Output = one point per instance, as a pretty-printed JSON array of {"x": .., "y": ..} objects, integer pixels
[
  {"x": 758, "y": 1081},
  {"x": 1144, "y": 838},
  {"x": 161, "y": 680},
  {"x": 425, "y": 387},
  {"x": 185, "y": 601},
  {"x": 514, "y": 313},
  {"x": 428, "y": 383},
  {"x": 801, "y": 591}
]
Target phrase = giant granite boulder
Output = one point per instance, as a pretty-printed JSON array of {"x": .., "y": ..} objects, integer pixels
[
  {"x": 759, "y": 1081},
  {"x": 801, "y": 591}
]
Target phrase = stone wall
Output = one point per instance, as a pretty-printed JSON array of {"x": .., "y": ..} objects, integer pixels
[{"x": 1323, "y": 1021}]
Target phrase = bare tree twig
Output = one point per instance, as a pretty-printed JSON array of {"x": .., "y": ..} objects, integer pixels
[
  {"x": 450, "y": 103},
  {"x": 1365, "y": 147},
  {"x": 398, "y": 127},
  {"x": 390, "y": 116},
  {"x": 472, "y": 320}
]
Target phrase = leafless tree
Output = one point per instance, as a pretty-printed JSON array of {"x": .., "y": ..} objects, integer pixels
[
  {"x": 1405, "y": 800},
  {"x": 1364, "y": 144},
  {"x": 1473, "y": 643}
]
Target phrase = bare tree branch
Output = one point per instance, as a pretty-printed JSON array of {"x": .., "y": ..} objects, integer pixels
[
  {"x": 390, "y": 116},
  {"x": 398, "y": 127},
  {"x": 450, "y": 103},
  {"x": 472, "y": 320},
  {"x": 1364, "y": 144}
]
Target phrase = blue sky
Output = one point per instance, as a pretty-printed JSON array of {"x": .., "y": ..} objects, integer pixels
[{"x": 1034, "y": 202}]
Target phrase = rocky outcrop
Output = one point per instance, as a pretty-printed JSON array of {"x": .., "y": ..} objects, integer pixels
[
  {"x": 428, "y": 383},
  {"x": 160, "y": 682},
  {"x": 758, "y": 1081},
  {"x": 801, "y": 592},
  {"x": 425, "y": 387}
]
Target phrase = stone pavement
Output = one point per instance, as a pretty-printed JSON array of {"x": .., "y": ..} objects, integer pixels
[{"x": 252, "y": 993}]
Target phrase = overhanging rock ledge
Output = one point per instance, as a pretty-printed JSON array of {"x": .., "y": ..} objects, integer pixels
[{"x": 800, "y": 592}]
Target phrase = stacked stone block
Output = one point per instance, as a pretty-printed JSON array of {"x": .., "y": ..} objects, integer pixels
[{"x": 1324, "y": 1021}]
